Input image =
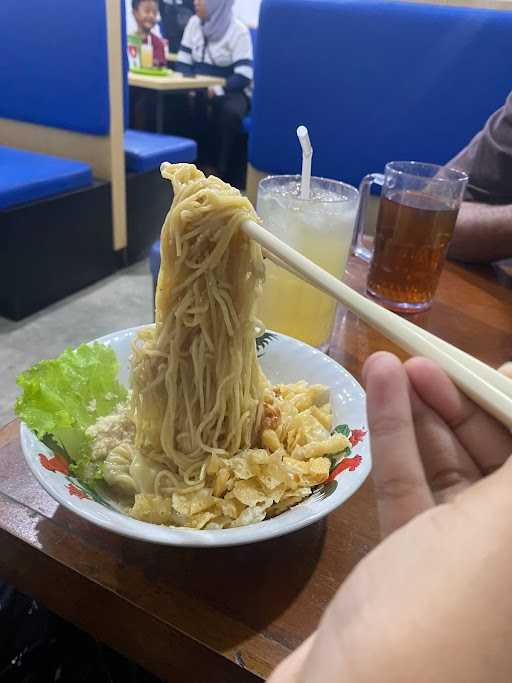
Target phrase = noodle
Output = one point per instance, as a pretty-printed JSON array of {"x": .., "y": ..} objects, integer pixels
[
  {"x": 205, "y": 441},
  {"x": 196, "y": 384}
]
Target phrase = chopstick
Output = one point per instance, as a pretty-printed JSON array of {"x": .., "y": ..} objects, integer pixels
[
  {"x": 485, "y": 386},
  {"x": 486, "y": 372}
]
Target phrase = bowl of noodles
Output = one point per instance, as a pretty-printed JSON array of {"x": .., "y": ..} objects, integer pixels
[{"x": 195, "y": 431}]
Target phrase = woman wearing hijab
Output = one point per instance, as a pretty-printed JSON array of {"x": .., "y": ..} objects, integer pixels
[{"x": 215, "y": 43}]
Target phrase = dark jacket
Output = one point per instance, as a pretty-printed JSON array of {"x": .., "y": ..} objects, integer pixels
[{"x": 175, "y": 15}]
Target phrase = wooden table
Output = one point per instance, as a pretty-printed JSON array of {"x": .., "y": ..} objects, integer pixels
[
  {"x": 221, "y": 615},
  {"x": 503, "y": 270},
  {"x": 173, "y": 82}
]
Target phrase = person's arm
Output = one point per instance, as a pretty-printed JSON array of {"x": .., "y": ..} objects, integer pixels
[
  {"x": 242, "y": 64},
  {"x": 484, "y": 227},
  {"x": 483, "y": 233},
  {"x": 184, "y": 63}
]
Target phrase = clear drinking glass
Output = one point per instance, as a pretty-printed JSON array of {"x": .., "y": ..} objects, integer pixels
[
  {"x": 146, "y": 55},
  {"x": 321, "y": 228},
  {"x": 417, "y": 214}
]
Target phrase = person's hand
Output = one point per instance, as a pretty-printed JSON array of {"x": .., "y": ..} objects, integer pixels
[
  {"x": 432, "y": 603},
  {"x": 506, "y": 369}
]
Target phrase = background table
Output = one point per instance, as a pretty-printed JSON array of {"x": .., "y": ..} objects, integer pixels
[
  {"x": 172, "y": 83},
  {"x": 222, "y": 615}
]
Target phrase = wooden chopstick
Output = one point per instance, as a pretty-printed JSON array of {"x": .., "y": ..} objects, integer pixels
[
  {"x": 480, "y": 385},
  {"x": 504, "y": 384}
]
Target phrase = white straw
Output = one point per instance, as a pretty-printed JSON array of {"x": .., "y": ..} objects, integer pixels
[{"x": 307, "y": 155}]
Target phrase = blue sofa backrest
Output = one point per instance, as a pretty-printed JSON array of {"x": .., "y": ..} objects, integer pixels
[
  {"x": 374, "y": 81},
  {"x": 55, "y": 65},
  {"x": 254, "y": 37}
]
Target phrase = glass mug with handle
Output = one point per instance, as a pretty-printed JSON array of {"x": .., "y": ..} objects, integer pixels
[{"x": 418, "y": 209}]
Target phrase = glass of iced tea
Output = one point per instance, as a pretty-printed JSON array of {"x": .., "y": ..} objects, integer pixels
[{"x": 418, "y": 209}]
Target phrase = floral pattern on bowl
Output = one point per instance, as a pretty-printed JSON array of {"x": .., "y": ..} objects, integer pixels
[{"x": 283, "y": 360}]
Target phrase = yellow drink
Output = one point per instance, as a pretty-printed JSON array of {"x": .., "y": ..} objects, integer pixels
[
  {"x": 146, "y": 55},
  {"x": 321, "y": 229},
  {"x": 291, "y": 306}
]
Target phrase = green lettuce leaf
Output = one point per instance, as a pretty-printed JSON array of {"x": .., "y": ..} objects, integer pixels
[{"x": 62, "y": 397}]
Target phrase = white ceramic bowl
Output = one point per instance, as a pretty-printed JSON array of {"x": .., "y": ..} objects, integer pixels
[{"x": 284, "y": 360}]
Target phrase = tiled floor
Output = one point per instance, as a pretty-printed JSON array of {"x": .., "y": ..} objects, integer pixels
[{"x": 123, "y": 300}]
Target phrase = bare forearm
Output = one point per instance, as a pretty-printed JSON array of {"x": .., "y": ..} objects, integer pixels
[{"x": 483, "y": 233}]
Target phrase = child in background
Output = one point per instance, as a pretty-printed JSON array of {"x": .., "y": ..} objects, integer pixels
[
  {"x": 215, "y": 43},
  {"x": 143, "y": 102},
  {"x": 145, "y": 13}
]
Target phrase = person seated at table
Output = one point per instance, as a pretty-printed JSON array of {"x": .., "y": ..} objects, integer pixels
[
  {"x": 175, "y": 15},
  {"x": 484, "y": 226},
  {"x": 215, "y": 43},
  {"x": 145, "y": 13},
  {"x": 432, "y": 602},
  {"x": 143, "y": 102}
]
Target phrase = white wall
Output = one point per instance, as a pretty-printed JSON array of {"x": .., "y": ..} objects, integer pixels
[
  {"x": 248, "y": 11},
  {"x": 130, "y": 21}
]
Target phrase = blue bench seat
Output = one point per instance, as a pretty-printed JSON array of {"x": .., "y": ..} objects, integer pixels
[
  {"x": 27, "y": 176},
  {"x": 146, "y": 151}
]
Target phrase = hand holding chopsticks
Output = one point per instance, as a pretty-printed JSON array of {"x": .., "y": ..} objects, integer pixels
[{"x": 484, "y": 385}]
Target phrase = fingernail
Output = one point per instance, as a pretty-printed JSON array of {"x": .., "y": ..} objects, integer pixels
[{"x": 370, "y": 361}]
